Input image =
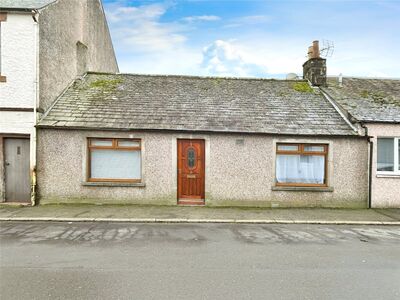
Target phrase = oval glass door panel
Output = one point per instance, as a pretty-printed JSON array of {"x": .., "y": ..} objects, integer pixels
[{"x": 191, "y": 158}]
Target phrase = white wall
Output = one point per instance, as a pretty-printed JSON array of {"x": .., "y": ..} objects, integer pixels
[
  {"x": 385, "y": 188},
  {"x": 16, "y": 122},
  {"x": 18, "y": 65},
  {"x": 18, "y": 55}
]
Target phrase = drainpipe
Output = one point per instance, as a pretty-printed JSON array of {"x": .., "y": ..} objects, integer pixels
[
  {"x": 371, "y": 155},
  {"x": 371, "y": 152},
  {"x": 35, "y": 17}
]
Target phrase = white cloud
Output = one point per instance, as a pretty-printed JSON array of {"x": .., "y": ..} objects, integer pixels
[
  {"x": 151, "y": 12},
  {"x": 138, "y": 29},
  {"x": 145, "y": 43},
  {"x": 224, "y": 59},
  {"x": 179, "y": 61},
  {"x": 201, "y": 18}
]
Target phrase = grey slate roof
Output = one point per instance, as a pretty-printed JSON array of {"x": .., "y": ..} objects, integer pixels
[
  {"x": 128, "y": 102},
  {"x": 24, "y": 4},
  {"x": 368, "y": 100}
]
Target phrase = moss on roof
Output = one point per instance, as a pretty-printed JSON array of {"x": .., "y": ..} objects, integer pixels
[
  {"x": 368, "y": 99},
  {"x": 190, "y": 103},
  {"x": 303, "y": 87}
]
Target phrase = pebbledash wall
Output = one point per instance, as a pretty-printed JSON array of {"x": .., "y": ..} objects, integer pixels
[
  {"x": 237, "y": 174},
  {"x": 84, "y": 45},
  {"x": 385, "y": 189}
]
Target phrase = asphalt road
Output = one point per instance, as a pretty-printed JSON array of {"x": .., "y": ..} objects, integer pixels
[{"x": 198, "y": 261}]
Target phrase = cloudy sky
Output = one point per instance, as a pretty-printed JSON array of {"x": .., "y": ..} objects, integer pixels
[{"x": 261, "y": 38}]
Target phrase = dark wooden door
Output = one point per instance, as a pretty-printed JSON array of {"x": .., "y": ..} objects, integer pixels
[
  {"x": 17, "y": 175},
  {"x": 191, "y": 172}
]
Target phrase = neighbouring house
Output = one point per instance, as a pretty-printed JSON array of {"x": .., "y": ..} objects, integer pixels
[
  {"x": 148, "y": 139},
  {"x": 44, "y": 46},
  {"x": 375, "y": 105}
]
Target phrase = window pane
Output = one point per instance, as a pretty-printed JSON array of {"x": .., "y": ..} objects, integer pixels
[
  {"x": 115, "y": 164},
  {"x": 191, "y": 158},
  {"x": 288, "y": 147},
  {"x": 127, "y": 143},
  {"x": 101, "y": 143},
  {"x": 300, "y": 169},
  {"x": 385, "y": 154},
  {"x": 310, "y": 148}
]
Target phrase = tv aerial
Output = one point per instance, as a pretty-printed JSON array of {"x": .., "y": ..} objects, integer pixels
[{"x": 327, "y": 49}]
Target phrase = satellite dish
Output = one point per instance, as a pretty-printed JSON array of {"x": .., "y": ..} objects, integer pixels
[{"x": 291, "y": 76}]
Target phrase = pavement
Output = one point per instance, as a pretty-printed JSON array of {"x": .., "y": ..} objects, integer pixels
[
  {"x": 192, "y": 214},
  {"x": 106, "y": 260}
]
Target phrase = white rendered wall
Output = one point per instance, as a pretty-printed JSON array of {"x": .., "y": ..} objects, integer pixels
[
  {"x": 19, "y": 122},
  {"x": 385, "y": 188},
  {"x": 18, "y": 56},
  {"x": 18, "y": 65}
]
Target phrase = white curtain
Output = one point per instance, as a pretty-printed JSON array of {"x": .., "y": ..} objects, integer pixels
[
  {"x": 115, "y": 164},
  {"x": 300, "y": 169}
]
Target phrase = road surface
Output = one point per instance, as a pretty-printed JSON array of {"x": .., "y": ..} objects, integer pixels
[{"x": 198, "y": 261}]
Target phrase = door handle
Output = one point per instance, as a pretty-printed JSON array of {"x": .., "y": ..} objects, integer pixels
[{"x": 7, "y": 163}]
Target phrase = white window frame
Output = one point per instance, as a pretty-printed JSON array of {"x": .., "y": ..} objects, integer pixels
[{"x": 396, "y": 169}]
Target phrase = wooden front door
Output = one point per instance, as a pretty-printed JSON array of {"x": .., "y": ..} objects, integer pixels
[
  {"x": 17, "y": 175},
  {"x": 191, "y": 172}
]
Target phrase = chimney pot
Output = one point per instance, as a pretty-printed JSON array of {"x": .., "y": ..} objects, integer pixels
[
  {"x": 315, "y": 51},
  {"x": 310, "y": 52}
]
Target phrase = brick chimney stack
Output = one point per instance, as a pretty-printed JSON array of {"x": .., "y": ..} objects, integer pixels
[{"x": 314, "y": 69}]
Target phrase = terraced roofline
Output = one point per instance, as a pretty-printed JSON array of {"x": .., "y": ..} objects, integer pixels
[{"x": 194, "y": 103}]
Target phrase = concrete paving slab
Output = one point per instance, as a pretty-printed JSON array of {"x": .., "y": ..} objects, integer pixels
[
  {"x": 393, "y": 213},
  {"x": 179, "y": 214}
]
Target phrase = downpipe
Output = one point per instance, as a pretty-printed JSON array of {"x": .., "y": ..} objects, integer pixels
[
  {"x": 370, "y": 159},
  {"x": 35, "y": 17},
  {"x": 371, "y": 152}
]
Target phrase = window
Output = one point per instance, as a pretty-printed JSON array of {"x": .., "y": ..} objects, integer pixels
[
  {"x": 191, "y": 158},
  {"x": 301, "y": 164},
  {"x": 388, "y": 156},
  {"x": 114, "y": 160}
]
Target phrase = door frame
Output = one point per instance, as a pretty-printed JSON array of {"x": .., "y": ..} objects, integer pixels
[
  {"x": 3, "y": 137},
  {"x": 194, "y": 200}
]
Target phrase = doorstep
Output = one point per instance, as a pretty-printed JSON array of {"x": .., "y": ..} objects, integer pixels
[
  {"x": 191, "y": 202},
  {"x": 15, "y": 204}
]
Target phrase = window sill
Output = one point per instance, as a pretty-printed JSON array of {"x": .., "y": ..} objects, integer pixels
[
  {"x": 115, "y": 184},
  {"x": 302, "y": 188},
  {"x": 394, "y": 175}
]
